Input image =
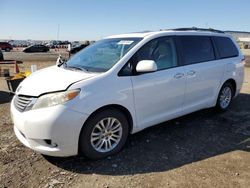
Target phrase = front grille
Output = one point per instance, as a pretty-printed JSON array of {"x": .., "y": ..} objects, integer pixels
[{"x": 21, "y": 102}]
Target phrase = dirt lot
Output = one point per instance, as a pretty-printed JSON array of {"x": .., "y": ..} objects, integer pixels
[{"x": 203, "y": 149}]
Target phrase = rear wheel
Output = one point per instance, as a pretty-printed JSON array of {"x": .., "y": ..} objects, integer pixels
[
  {"x": 104, "y": 134},
  {"x": 225, "y": 97},
  {"x": 7, "y": 49}
]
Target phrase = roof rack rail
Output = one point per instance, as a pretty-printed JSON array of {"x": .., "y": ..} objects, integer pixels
[{"x": 198, "y": 29}]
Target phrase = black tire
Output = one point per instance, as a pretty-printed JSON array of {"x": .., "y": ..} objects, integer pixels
[
  {"x": 85, "y": 146},
  {"x": 7, "y": 49},
  {"x": 219, "y": 105}
]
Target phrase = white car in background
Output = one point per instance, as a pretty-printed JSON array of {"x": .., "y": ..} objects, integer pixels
[{"x": 123, "y": 84}]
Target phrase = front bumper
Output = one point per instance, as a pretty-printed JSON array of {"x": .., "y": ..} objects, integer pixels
[{"x": 52, "y": 131}]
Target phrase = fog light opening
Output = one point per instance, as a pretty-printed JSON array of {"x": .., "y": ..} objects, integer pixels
[
  {"x": 49, "y": 142},
  {"x": 54, "y": 144}
]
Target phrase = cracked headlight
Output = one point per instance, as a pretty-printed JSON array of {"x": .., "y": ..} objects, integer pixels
[{"x": 56, "y": 98}]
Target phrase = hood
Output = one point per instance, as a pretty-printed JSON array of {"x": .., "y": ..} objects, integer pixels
[{"x": 49, "y": 80}]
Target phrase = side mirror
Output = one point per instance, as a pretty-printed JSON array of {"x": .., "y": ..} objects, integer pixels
[{"x": 146, "y": 66}]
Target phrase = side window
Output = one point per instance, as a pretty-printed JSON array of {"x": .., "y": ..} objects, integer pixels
[
  {"x": 225, "y": 47},
  {"x": 196, "y": 49},
  {"x": 161, "y": 50}
]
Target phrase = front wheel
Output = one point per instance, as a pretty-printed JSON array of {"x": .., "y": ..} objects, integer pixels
[
  {"x": 225, "y": 97},
  {"x": 104, "y": 134}
]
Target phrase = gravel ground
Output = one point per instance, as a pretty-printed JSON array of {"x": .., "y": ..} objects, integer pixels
[{"x": 203, "y": 149}]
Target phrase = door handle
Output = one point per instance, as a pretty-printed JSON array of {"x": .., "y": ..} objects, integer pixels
[
  {"x": 179, "y": 75},
  {"x": 191, "y": 73}
]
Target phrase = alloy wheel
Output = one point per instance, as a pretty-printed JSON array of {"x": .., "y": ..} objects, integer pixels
[
  {"x": 225, "y": 97},
  {"x": 106, "y": 134}
]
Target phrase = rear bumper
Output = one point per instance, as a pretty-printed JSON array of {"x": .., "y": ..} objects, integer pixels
[{"x": 52, "y": 131}]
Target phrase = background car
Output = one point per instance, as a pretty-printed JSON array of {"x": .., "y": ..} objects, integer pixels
[
  {"x": 1, "y": 56},
  {"x": 6, "y": 46},
  {"x": 77, "y": 48},
  {"x": 36, "y": 48}
]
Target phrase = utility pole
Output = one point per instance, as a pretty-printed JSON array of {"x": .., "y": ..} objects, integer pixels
[{"x": 58, "y": 31}]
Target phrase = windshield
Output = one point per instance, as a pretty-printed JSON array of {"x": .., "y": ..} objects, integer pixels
[{"x": 102, "y": 55}]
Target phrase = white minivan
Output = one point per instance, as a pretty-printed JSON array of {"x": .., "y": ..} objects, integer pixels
[{"x": 123, "y": 84}]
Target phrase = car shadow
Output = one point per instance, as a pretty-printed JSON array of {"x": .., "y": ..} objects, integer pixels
[
  {"x": 175, "y": 143},
  {"x": 5, "y": 97}
]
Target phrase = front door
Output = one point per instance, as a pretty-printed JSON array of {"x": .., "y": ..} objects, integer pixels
[{"x": 158, "y": 96}]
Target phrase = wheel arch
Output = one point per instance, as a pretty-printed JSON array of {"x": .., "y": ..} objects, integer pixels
[
  {"x": 233, "y": 83},
  {"x": 121, "y": 108}
]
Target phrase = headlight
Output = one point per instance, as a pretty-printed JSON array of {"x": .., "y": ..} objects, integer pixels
[{"x": 53, "y": 99}]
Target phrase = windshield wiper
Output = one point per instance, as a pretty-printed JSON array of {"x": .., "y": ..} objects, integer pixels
[{"x": 76, "y": 68}]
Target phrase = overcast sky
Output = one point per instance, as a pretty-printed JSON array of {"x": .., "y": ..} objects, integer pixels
[{"x": 94, "y": 19}]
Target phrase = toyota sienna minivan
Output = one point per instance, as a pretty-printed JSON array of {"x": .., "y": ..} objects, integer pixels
[{"x": 123, "y": 84}]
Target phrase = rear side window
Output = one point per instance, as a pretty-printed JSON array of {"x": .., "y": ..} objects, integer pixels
[
  {"x": 226, "y": 47},
  {"x": 196, "y": 49}
]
